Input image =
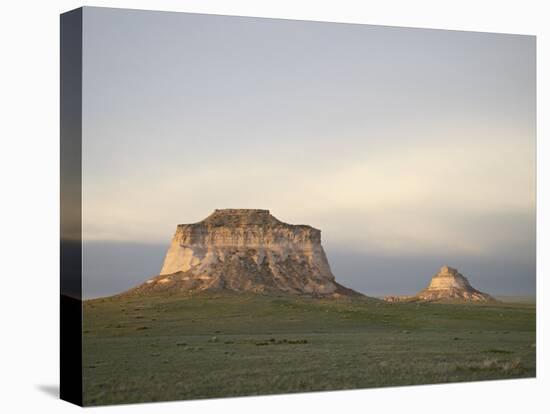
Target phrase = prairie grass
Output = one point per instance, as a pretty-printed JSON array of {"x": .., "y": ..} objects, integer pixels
[{"x": 220, "y": 345}]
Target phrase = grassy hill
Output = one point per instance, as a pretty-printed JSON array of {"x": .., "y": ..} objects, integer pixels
[{"x": 140, "y": 349}]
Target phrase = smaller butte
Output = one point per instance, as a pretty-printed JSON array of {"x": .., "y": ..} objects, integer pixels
[{"x": 447, "y": 285}]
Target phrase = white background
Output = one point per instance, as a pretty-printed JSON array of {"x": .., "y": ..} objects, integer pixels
[{"x": 29, "y": 204}]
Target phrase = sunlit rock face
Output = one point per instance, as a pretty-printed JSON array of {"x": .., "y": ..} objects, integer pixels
[
  {"x": 449, "y": 284},
  {"x": 246, "y": 250},
  {"x": 447, "y": 279}
]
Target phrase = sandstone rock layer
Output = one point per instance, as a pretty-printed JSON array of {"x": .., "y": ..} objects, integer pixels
[
  {"x": 245, "y": 250},
  {"x": 447, "y": 285}
]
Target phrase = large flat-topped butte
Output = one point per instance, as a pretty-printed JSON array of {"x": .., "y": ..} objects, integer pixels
[{"x": 245, "y": 250}]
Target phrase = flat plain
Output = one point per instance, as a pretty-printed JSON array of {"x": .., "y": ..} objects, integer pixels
[{"x": 158, "y": 348}]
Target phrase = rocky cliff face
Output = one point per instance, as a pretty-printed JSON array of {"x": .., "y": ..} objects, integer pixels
[
  {"x": 447, "y": 285},
  {"x": 245, "y": 250}
]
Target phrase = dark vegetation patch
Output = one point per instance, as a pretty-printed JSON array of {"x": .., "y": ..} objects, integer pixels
[
  {"x": 498, "y": 351},
  {"x": 283, "y": 341}
]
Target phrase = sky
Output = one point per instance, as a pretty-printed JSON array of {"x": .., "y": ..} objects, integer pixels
[{"x": 409, "y": 148}]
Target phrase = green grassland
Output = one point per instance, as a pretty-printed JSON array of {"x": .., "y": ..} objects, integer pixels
[{"x": 142, "y": 349}]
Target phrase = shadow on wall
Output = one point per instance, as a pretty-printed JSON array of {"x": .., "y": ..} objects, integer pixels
[{"x": 49, "y": 389}]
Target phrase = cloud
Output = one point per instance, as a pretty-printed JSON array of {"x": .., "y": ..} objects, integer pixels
[{"x": 469, "y": 194}]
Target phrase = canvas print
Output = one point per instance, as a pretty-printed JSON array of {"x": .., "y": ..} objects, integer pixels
[{"x": 268, "y": 206}]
